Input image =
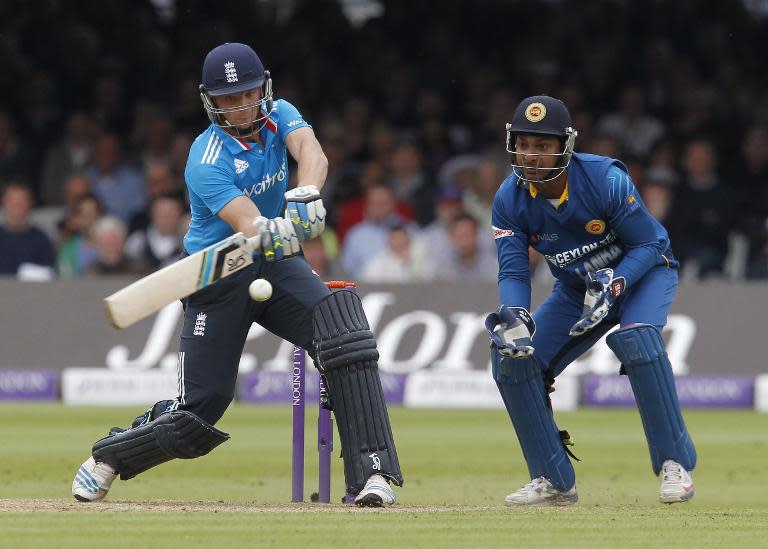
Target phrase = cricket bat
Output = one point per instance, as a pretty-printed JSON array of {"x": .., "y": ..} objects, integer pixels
[{"x": 195, "y": 272}]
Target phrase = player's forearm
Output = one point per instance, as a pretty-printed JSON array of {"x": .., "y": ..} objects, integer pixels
[
  {"x": 515, "y": 292},
  {"x": 514, "y": 272},
  {"x": 312, "y": 164},
  {"x": 636, "y": 262},
  {"x": 240, "y": 213},
  {"x": 644, "y": 247}
]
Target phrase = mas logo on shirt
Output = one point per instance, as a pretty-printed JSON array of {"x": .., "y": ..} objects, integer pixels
[
  {"x": 595, "y": 226},
  {"x": 501, "y": 233},
  {"x": 632, "y": 203},
  {"x": 536, "y": 238}
]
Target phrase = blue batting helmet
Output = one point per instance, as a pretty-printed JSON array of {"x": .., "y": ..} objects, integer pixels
[
  {"x": 233, "y": 68},
  {"x": 542, "y": 115}
]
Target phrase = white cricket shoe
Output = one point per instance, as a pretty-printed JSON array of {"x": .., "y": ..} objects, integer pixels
[
  {"x": 376, "y": 493},
  {"x": 541, "y": 492},
  {"x": 92, "y": 480},
  {"x": 676, "y": 483}
]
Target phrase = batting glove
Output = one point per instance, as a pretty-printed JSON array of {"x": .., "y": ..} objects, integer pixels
[
  {"x": 306, "y": 211},
  {"x": 278, "y": 239}
]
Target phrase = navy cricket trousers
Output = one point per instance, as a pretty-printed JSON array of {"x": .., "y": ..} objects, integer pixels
[{"x": 216, "y": 324}]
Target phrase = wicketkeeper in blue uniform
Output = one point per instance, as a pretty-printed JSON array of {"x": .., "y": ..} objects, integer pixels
[
  {"x": 613, "y": 265},
  {"x": 236, "y": 174}
]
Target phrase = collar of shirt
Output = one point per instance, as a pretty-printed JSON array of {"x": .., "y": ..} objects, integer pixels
[
  {"x": 563, "y": 197},
  {"x": 235, "y": 145},
  {"x": 231, "y": 143}
]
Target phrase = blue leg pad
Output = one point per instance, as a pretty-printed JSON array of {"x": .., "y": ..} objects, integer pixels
[
  {"x": 521, "y": 384},
  {"x": 641, "y": 351}
]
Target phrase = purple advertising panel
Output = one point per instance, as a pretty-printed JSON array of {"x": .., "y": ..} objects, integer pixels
[
  {"x": 694, "y": 391},
  {"x": 277, "y": 387},
  {"x": 606, "y": 391},
  {"x": 713, "y": 391},
  {"x": 29, "y": 384}
]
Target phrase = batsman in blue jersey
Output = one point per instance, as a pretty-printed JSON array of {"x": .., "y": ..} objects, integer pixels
[
  {"x": 613, "y": 265},
  {"x": 237, "y": 175}
]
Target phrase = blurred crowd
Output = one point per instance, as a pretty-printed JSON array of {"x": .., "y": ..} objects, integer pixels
[{"x": 409, "y": 101}]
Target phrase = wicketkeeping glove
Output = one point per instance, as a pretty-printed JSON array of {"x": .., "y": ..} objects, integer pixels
[
  {"x": 602, "y": 292},
  {"x": 306, "y": 211},
  {"x": 511, "y": 330},
  {"x": 278, "y": 239}
]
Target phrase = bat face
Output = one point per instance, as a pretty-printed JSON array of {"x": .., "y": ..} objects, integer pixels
[{"x": 178, "y": 280}]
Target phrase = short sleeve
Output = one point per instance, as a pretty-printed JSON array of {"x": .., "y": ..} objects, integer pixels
[
  {"x": 289, "y": 119},
  {"x": 213, "y": 184}
]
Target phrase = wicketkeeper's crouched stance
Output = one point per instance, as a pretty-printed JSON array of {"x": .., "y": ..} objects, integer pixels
[
  {"x": 229, "y": 172},
  {"x": 584, "y": 215}
]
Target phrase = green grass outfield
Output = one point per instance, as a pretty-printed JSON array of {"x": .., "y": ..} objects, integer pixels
[{"x": 458, "y": 464}]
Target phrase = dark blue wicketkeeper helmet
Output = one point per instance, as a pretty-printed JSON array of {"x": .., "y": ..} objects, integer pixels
[
  {"x": 234, "y": 68},
  {"x": 542, "y": 115}
]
